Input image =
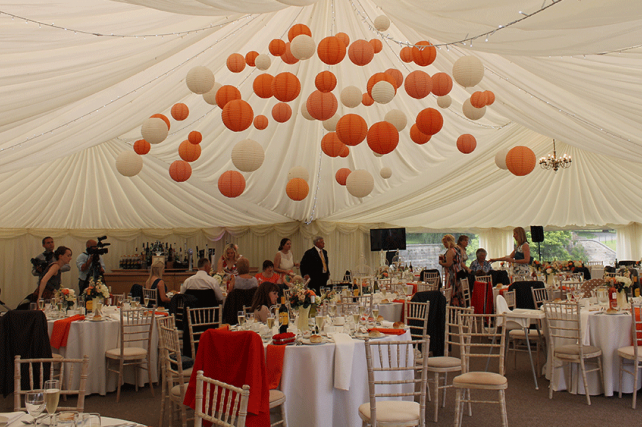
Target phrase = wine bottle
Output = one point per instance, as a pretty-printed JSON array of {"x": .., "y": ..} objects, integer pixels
[
  {"x": 284, "y": 317},
  {"x": 612, "y": 297}
]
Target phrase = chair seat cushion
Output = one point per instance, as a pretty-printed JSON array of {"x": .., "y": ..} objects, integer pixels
[
  {"x": 129, "y": 353},
  {"x": 475, "y": 379},
  {"x": 444, "y": 362},
  {"x": 176, "y": 390},
  {"x": 519, "y": 334},
  {"x": 389, "y": 411},
  {"x": 276, "y": 398},
  {"x": 187, "y": 373},
  {"x": 629, "y": 353},
  {"x": 574, "y": 350}
]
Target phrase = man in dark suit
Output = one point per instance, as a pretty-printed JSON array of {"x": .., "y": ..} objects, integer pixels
[{"x": 314, "y": 265}]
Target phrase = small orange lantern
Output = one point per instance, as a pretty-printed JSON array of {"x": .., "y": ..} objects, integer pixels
[
  {"x": 162, "y": 117},
  {"x": 226, "y": 94},
  {"x": 478, "y": 99},
  {"x": 361, "y": 52},
  {"x": 263, "y": 85},
  {"x": 188, "y": 151},
  {"x": 466, "y": 143},
  {"x": 277, "y": 47},
  {"x": 418, "y": 84},
  {"x": 325, "y": 81},
  {"x": 180, "y": 171},
  {"x": 281, "y": 112},
  {"x": 286, "y": 87},
  {"x": 342, "y": 175},
  {"x": 395, "y": 74},
  {"x": 367, "y": 100},
  {"x": 406, "y": 54},
  {"x": 142, "y": 147},
  {"x": 322, "y": 106},
  {"x": 383, "y": 137},
  {"x": 345, "y": 39},
  {"x": 195, "y": 137},
  {"x": 417, "y": 136},
  {"x": 331, "y": 50},
  {"x": 331, "y": 144},
  {"x": 250, "y": 57},
  {"x": 236, "y": 62},
  {"x": 260, "y": 122},
  {"x": 287, "y": 56},
  {"x": 297, "y": 30},
  {"x": 345, "y": 151},
  {"x": 424, "y": 53},
  {"x": 297, "y": 189},
  {"x": 521, "y": 160},
  {"x": 237, "y": 115},
  {"x": 180, "y": 111},
  {"x": 490, "y": 97},
  {"x": 441, "y": 84},
  {"x": 352, "y": 129},
  {"x": 376, "y": 45},
  {"x": 429, "y": 121},
  {"x": 231, "y": 184}
]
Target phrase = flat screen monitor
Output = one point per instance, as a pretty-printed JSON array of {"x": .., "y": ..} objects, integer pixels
[{"x": 387, "y": 239}]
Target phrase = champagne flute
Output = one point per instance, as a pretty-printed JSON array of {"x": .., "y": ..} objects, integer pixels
[
  {"x": 41, "y": 304},
  {"x": 319, "y": 321},
  {"x": 146, "y": 301},
  {"x": 241, "y": 318},
  {"x": 270, "y": 321},
  {"x": 35, "y": 403},
  {"x": 375, "y": 311},
  {"x": 333, "y": 310},
  {"x": 52, "y": 395}
]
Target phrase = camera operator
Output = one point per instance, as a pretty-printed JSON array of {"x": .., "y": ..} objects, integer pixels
[
  {"x": 41, "y": 261},
  {"x": 90, "y": 264}
]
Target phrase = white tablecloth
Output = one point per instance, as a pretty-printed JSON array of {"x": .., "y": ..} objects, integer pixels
[
  {"x": 308, "y": 383},
  {"x": 391, "y": 311}
]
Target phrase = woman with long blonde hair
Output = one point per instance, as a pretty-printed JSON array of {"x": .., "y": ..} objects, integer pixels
[
  {"x": 521, "y": 256},
  {"x": 451, "y": 263},
  {"x": 155, "y": 281}
]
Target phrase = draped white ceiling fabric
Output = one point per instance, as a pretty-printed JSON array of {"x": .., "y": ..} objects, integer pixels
[{"x": 79, "y": 78}]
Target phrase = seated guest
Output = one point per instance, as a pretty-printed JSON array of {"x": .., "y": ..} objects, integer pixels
[
  {"x": 268, "y": 274},
  {"x": 227, "y": 262},
  {"x": 480, "y": 267},
  {"x": 202, "y": 280},
  {"x": 264, "y": 298},
  {"x": 244, "y": 280},
  {"x": 155, "y": 281}
]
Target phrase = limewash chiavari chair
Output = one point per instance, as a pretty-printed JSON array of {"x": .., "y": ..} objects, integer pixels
[
  {"x": 632, "y": 353},
  {"x": 225, "y": 405}
]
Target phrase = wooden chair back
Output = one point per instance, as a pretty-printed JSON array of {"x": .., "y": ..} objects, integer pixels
[
  {"x": 509, "y": 296},
  {"x": 485, "y": 342},
  {"x": 465, "y": 290},
  {"x": 152, "y": 296},
  {"x": 485, "y": 279},
  {"x": 225, "y": 405},
  {"x": 540, "y": 296},
  {"x": 452, "y": 336},
  {"x": 416, "y": 316},
  {"x": 564, "y": 325},
  {"x": 199, "y": 320}
]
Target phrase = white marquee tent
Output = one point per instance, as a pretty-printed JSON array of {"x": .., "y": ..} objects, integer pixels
[{"x": 80, "y": 77}]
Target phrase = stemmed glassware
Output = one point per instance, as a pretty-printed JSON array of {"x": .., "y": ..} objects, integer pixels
[
  {"x": 35, "y": 403},
  {"x": 52, "y": 395},
  {"x": 241, "y": 318}
]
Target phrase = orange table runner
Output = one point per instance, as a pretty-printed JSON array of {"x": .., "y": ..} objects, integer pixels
[
  {"x": 60, "y": 332},
  {"x": 403, "y": 309}
]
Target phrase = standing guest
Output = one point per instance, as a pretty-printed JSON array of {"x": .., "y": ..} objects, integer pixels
[
  {"x": 244, "y": 280},
  {"x": 314, "y": 265},
  {"x": 202, "y": 280},
  {"x": 462, "y": 243},
  {"x": 284, "y": 259},
  {"x": 227, "y": 262},
  {"x": 268, "y": 274},
  {"x": 451, "y": 263},
  {"x": 86, "y": 267},
  {"x": 155, "y": 281},
  {"x": 45, "y": 258},
  {"x": 52, "y": 275},
  {"x": 264, "y": 298},
  {"x": 521, "y": 256},
  {"x": 480, "y": 267}
]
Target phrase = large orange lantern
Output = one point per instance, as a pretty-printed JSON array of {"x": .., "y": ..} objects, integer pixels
[
  {"x": 226, "y": 94},
  {"x": 478, "y": 99},
  {"x": 188, "y": 151},
  {"x": 260, "y": 122},
  {"x": 395, "y": 74},
  {"x": 441, "y": 84},
  {"x": 367, "y": 100},
  {"x": 231, "y": 184},
  {"x": 236, "y": 62},
  {"x": 179, "y": 112},
  {"x": 424, "y": 53},
  {"x": 322, "y": 106},
  {"x": 361, "y": 52},
  {"x": 142, "y": 147},
  {"x": 418, "y": 84},
  {"x": 237, "y": 115},
  {"x": 250, "y": 57},
  {"x": 429, "y": 121},
  {"x": 180, "y": 170},
  {"x": 406, "y": 54},
  {"x": 281, "y": 112},
  {"x": 277, "y": 47},
  {"x": 383, "y": 137},
  {"x": 345, "y": 39},
  {"x": 325, "y": 81},
  {"x": 331, "y": 50},
  {"x": 297, "y": 30},
  {"x": 263, "y": 85},
  {"x": 352, "y": 129},
  {"x": 331, "y": 144},
  {"x": 376, "y": 45},
  {"x": 379, "y": 77},
  {"x": 521, "y": 160},
  {"x": 297, "y": 189},
  {"x": 342, "y": 175},
  {"x": 195, "y": 137},
  {"x": 466, "y": 143},
  {"x": 164, "y": 118},
  {"x": 417, "y": 136},
  {"x": 286, "y": 87},
  {"x": 287, "y": 56}
]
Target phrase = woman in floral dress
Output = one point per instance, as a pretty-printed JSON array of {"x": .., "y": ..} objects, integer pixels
[{"x": 451, "y": 263}]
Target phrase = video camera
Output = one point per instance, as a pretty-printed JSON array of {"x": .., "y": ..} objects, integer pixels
[
  {"x": 39, "y": 264},
  {"x": 100, "y": 248}
]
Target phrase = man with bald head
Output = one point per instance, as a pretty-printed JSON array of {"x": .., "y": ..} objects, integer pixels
[{"x": 84, "y": 263}]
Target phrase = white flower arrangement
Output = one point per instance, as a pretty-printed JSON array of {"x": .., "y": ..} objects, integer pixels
[{"x": 96, "y": 289}]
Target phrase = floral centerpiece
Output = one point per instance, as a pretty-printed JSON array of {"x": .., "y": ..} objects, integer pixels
[
  {"x": 382, "y": 273},
  {"x": 551, "y": 268},
  {"x": 67, "y": 296},
  {"x": 621, "y": 284},
  {"x": 328, "y": 296},
  {"x": 96, "y": 289},
  {"x": 301, "y": 299}
]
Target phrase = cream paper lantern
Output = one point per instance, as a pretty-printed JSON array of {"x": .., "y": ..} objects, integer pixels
[
  {"x": 382, "y": 23},
  {"x": 383, "y": 92},
  {"x": 444, "y": 101},
  {"x": 397, "y": 118},
  {"x": 200, "y": 80},
  {"x": 304, "y": 111},
  {"x": 303, "y": 47},
  {"x": 385, "y": 172},
  {"x": 468, "y": 71},
  {"x": 129, "y": 163},
  {"x": 360, "y": 183},
  {"x": 471, "y": 112},
  {"x": 247, "y": 155},
  {"x": 154, "y": 130},
  {"x": 262, "y": 62},
  {"x": 299, "y": 172},
  {"x": 500, "y": 158},
  {"x": 210, "y": 97},
  {"x": 331, "y": 124},
  {"x": 351, "y": 96}
]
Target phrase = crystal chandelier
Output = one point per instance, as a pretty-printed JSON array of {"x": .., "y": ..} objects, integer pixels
[{"x": 553, "y": 162}]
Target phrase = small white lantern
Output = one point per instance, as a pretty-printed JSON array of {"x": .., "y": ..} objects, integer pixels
[
  {"x": 468, "y": 71},
  {"x": 154, "y": 130},
  {"x": 397, "y": 118},
  {"x": 210, "y": 97},
  {"x": 262, "y": 62},
  {"x": 500, "y": 158},
  {"x": 471, "y": 112},
  {"x": 200, "y": 80},
  {"x": 360, "y": 183},
  {"x": 304, "y": 111},
  {"x": 444, "y": 101},
  {"x": 299, "y": 172},
  {"x": 351, "y": 96},
  {"x": 331, "y": 124},
  {"x": 129, "y": 163},
  {"x": 247, "y": 155},
  {"x": 385, "y": 172},
  {"x": 383, "y": 92},
  {"x": 382, "y": 23},
  {"x": 303, "y": 47}
]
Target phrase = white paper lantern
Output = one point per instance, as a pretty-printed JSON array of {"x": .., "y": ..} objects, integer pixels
[
  {"x": 351, "y": 96},
  {"x": 360, "y": 183},
  {"x": 468, "y": 71},
  {"x": 303, "y": 47},
  {"x": 383, "y": 92},
  {"x": 331, "y": 124},
  {"x": 210, "y": 97},
  {"x": 129, "y": 163},
  {"x": 304, "y": 111},
  {"x": 471, "y": 112},
  {"x": 262, "y": 62},
  {"x": 397, "y": 118},
  {"x": 247, "y": 155},
  {"x": 382, "y": 23},
  {"x": 385, "y": 172},
  {"x": 299, "y": 172},
  {"x": 200, "y": 80},
  {"x": 154, "y": 130},
  {"x": 444, "y": 101},
  {"x": 500, "y": 158}
]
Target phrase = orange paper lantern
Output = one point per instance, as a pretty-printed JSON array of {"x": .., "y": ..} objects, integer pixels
[
  {"x": 297, "y": 30},
  {"x": 142, "y": 147},
  {"x": 166, "y": 120},
  {"x": 466, "y": 143},
  {"x": 281, "y": 112},
  {"x": 342, "y": 175},
  {"x": 418, "y": 84},
  {"x": 417, "y": 136},
  {"x": 376, "y": 45},
  {"x": 195, "y": 137},
  {"x": 395, "y": 74},
  {"x": 383, "y": 137},
  {"x": 325, "y": 81},
  {"x": 188, "y": 151},
  {"x": 429, "y": 121},
  {"x": 478, "y": 99},
  {"x": 490, "y": 97},
  {"x": 331, "y": 50},
  {"x": 286, "y": 87},
  {"x": 236, "y": 62},
  {"x": 406, "y": 54},
  {"x": 287, "y": 56},
  {"x": 297, "y": 189},
  {"x": 237, "y": 115},
  {"x": 521, "y": 160},
  {"x": 180, "y": 171},
  {"x": 345, "y": 151},
  {"x": 367, "y": 100},
  {"x": 226, "y": 94},
  {"x": 231, "y": 184},
  {"x": 441, "y": 84},
  {"x": 352, "y": 129},
  {"x": 345, "y": 39},
  {"x": 179, "y": 111},
  {"x": 424, "y": 53},
  {"x": 331, "y": 144},
  {"x": 322, "y": 106},
  {"x": 263, "y": 85},
  {"x": 361, "y": 52},
  {"x": 250, "y": 57},
  {"x": 277, "y": 47},
  {"x": 260, "y": 122},
  {"x": 379, "y": 77}
]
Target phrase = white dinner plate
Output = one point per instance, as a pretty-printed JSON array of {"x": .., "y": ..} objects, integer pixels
[
  {"x": 96, "y": 320},
  {"x": 364, "y": 336},
  {"x": 306, "y": 341}
]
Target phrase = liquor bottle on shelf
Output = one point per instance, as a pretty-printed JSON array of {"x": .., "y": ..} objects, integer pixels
[
  {"x": 170, "y": 254},
  {"x": 284, "y": 317}
]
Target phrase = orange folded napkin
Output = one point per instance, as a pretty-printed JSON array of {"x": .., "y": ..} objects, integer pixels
[
  {"x": 161, "y": 313},
  {"x": 389, "y": 331},
  {"x": 225, "y": 327},
  {"x": 274, "y": 365},
  {"x": 60, "y": 332}
]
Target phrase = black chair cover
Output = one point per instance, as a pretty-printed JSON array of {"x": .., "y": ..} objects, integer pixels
[
  {"x": 436, "y": 319},
  {"x": 523, "y": 294},
  {"x": 204, "y": 297},
  {"x": 234, "y": 303},
  {"x": 499, "y": 276}
]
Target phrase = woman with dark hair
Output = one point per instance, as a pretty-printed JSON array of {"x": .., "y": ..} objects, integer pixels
[
  {"x": 264, "y": 298},
  {"x": 462, "y": 243},
  {"x": 52, "y": 276},
  {"x": 284, "y": 259},
  {"x": 521, "y": 256},
  {"x": 268, "y": 274}
]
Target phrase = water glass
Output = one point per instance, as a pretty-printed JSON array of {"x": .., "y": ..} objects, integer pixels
[
  {"x": 65, "y": 419},
  {"x": 35, "y": 402},
  {"x": 88, "y": 420}
]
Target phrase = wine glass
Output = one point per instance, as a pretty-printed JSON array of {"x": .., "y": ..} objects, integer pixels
[
  {"x": 319, "y": 321},
  {"x": 146, "y": 300},
  {"x": 52, "y": 395},
  {"x": 375, "y": 311},
  {"x": 270, "y": 320},
  {"x": 35, "y": 403},
  {"x": 41, "y": 304},
  {"x": 241, "y": 318}
]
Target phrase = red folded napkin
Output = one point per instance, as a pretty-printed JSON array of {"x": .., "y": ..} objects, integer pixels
[
  {"x": 389, "y": 331},
  {"x": 403, "y": 308},
  {"x": 274, "y": 365},
  {"x": 60, "y": 332}
]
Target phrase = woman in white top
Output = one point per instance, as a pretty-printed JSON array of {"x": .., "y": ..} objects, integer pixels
[{"x": 284, "y": 259}]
